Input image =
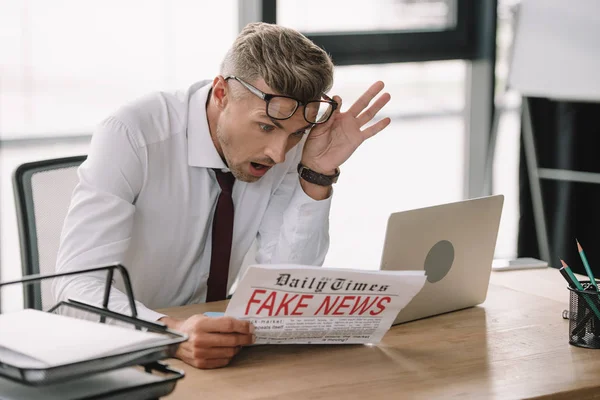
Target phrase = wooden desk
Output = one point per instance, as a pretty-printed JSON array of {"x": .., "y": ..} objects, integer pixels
[{"x": 513, "y": 346}]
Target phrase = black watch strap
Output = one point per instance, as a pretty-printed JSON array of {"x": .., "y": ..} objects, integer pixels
[{"x": 318, "y": 179}]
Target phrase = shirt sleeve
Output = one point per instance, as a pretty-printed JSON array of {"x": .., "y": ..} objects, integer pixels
[
  {"x": 97, "y": 228},
  {"x": 295, "y": 227}
]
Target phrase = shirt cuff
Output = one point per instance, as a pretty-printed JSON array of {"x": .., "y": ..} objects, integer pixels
[{"x": 148, "y": 314}]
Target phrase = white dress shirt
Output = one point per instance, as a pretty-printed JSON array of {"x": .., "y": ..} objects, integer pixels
[{"x": 146, "y": 197}]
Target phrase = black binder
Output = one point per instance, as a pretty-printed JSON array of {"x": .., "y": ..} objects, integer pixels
[{"x": 107, "y": 369}]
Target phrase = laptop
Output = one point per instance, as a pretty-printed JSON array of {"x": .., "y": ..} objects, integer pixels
[{"x": 454, "y": 243}]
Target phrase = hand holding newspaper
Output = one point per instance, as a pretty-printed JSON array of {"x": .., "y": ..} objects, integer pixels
[{"x": 303, "y": 304}]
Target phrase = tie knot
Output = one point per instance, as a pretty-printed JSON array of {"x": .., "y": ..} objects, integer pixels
[{"x": 225, "y": 179}]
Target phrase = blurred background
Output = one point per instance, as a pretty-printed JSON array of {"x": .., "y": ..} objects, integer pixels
[{"x": 66, "y": 64}]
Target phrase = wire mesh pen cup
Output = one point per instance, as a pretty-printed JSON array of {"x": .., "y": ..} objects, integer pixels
[{"x": 584, "y": 317}]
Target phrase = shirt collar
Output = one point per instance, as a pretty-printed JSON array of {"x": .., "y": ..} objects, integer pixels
[{"x": 201, "y": 149}]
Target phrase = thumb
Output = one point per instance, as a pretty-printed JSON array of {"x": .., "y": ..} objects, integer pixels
[
  {"x": 337, "y": 110},
  {"x": 338, "y": 100}
]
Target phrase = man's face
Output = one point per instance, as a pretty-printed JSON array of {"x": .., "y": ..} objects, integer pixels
[{"x": 249, "y": 140}]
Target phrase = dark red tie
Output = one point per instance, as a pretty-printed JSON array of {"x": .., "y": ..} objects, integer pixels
[{"x": 222, "y": 235}]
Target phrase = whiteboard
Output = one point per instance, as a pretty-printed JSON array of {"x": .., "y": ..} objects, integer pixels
[{"x": 556, "y": 50}]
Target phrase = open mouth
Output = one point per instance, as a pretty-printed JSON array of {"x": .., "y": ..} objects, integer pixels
[
  {"x": 259, "y": 166},
  {"x": 258, "y": 169}
]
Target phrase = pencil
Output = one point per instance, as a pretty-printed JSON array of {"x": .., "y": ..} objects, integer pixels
[
  {"x": 588, "y": 270},
  {"x": 572, "y": 277},
  {"x": 573, "y": 280},
  {"x": 563, "y": 272}
]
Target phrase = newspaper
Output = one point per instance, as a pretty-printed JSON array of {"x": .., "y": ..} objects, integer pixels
[{"x": 303, "y": 304}]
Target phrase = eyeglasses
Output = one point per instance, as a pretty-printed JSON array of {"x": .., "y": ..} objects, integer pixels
[{"x": 283, "y": 107}]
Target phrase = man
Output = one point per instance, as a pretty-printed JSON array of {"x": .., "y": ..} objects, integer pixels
[{"x": 155, "y": 191}]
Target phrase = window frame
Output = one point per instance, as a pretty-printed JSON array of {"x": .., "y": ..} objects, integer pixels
[{"x": 378, "y": 47}]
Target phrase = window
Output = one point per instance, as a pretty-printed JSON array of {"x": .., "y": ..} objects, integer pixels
[
  {"x": 358, "y": 32},
  {"x": 66, "y": 64},
  {"x": 382, "y": 15}
]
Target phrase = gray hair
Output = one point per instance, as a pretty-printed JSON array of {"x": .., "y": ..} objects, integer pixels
[{"x": 289, "y": 62}]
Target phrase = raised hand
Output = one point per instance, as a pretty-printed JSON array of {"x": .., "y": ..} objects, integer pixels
[{"x": 329, "y": 145}]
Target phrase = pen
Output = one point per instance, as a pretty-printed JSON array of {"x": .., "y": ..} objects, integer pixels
[
  {"x": 573, "y": 282},
  {"x": 588, "y": 270}
]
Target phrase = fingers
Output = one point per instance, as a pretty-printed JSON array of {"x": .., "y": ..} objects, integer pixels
[
  {"x": 204, "y": 363},
  {"x": 196, "y": 355},
  {"x": 209, "y": 352},
  {"x": 364, "y": 100},
  {"x": 376, "y": 128},
  {"x": 224, "y": 325},
  {"x": 213, "y": 342},
  {"x": 370, "y": 112},
  {"x": 220, "y": 339}
]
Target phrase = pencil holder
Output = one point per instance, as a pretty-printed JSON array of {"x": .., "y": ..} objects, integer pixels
[{"x": 584, "y": 317}]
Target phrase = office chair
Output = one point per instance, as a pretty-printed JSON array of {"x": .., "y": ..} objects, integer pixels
[{"x": 43, "y": 192}]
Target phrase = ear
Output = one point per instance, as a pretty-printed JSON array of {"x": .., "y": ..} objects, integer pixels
[{"x": 220, "y": 92}]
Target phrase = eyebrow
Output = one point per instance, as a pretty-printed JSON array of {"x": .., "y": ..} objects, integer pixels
[{"x": 277, "y": 124}]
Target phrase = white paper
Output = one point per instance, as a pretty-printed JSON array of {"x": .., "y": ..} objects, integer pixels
[
  {"x": 303, "y": 304},
  {"x": 48, "y": 340}
]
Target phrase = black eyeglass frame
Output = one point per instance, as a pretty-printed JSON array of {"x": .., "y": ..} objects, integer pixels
[{"x": 267, "y": 97}]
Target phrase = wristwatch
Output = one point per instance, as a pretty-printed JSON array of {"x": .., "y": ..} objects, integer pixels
[{"x": 318, "y": 179}]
